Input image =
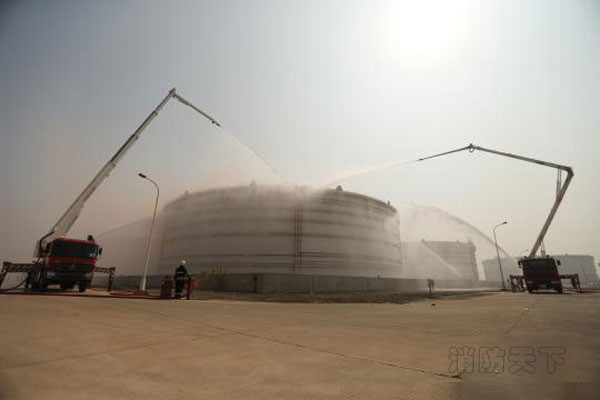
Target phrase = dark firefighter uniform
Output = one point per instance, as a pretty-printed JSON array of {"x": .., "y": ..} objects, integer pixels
[{"x": 181, "y": 276}]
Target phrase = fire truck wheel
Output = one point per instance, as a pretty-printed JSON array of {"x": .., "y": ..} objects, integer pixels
[{"x": 82, "y": 286}]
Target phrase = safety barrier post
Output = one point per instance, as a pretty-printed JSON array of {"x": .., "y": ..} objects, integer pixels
[
  {"x": 190, "y": 287},
  {"x": 111, "y": 276}
]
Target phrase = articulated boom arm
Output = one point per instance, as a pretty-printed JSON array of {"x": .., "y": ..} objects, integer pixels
[
  {"x": 66, "y": 221},
  {"x": 560, "y": 192}
]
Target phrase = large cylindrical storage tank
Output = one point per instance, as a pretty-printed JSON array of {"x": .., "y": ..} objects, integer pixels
[{"x": 282, "y": 230}]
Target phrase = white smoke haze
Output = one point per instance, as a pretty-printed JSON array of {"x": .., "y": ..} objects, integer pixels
[
  {"x": 219, "y": 160},
  {"x": 125, "y": 246},
  {"x": 421, "y": 222},
  {"x": 328, "y": 102},
  {"x": 225, "y": 161}
]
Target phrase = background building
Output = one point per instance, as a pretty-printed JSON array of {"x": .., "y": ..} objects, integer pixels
[
  {"x": 492, "y": 269},
  {"x": 578, "y": 264},
  {"x": 459, "y": 255}
]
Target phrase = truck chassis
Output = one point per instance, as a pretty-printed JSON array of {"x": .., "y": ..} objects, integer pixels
[{"x": 35, "y": 277}]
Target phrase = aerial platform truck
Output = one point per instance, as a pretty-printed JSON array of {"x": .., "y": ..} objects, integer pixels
[
  {"x": 539, "y": 272},
  {"x": 72, "y": 262}
]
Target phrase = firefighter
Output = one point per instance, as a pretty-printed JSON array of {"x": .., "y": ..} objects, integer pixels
[
  {"x": 431, "y": 285},
  {"x": 575, "y": 282},
  {"x": 181, "y": 276},
  {"x": 521, "y": 284}
]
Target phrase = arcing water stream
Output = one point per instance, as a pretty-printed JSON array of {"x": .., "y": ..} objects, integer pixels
[
  {"x": 369, "y": 170},
  {"x": 419, "y": 210},
  {"x": 254, "y": 152}
]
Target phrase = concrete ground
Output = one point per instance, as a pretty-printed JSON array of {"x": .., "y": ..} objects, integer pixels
[{"x": 498, "y": 346}]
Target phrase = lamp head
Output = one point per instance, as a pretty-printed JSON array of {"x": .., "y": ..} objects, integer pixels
[{"x": 141, "y": 175}]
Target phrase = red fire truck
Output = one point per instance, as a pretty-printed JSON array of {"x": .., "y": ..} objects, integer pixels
[
  {"x": 70, "y": 262},
  {"x": 539, "y": 272}
]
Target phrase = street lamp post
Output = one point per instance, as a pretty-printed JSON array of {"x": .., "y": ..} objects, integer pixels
[
  {"x": 143, "y": 281},
  {"x": 498, "y": 253}
]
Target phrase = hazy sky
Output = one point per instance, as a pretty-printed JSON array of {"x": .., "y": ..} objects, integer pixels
[{"x": 320, "y": 88}]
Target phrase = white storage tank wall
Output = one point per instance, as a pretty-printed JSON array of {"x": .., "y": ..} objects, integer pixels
[
  {"x": 283, "y": 230},
  {"x": 235, "y": 228},
  {"x": 349, "y": 234}
]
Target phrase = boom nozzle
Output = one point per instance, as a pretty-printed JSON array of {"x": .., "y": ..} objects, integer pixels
[{"x": 187, "y": 103}]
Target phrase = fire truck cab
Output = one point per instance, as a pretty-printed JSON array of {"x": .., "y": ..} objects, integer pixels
[{"x": 67, "y": 262}]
